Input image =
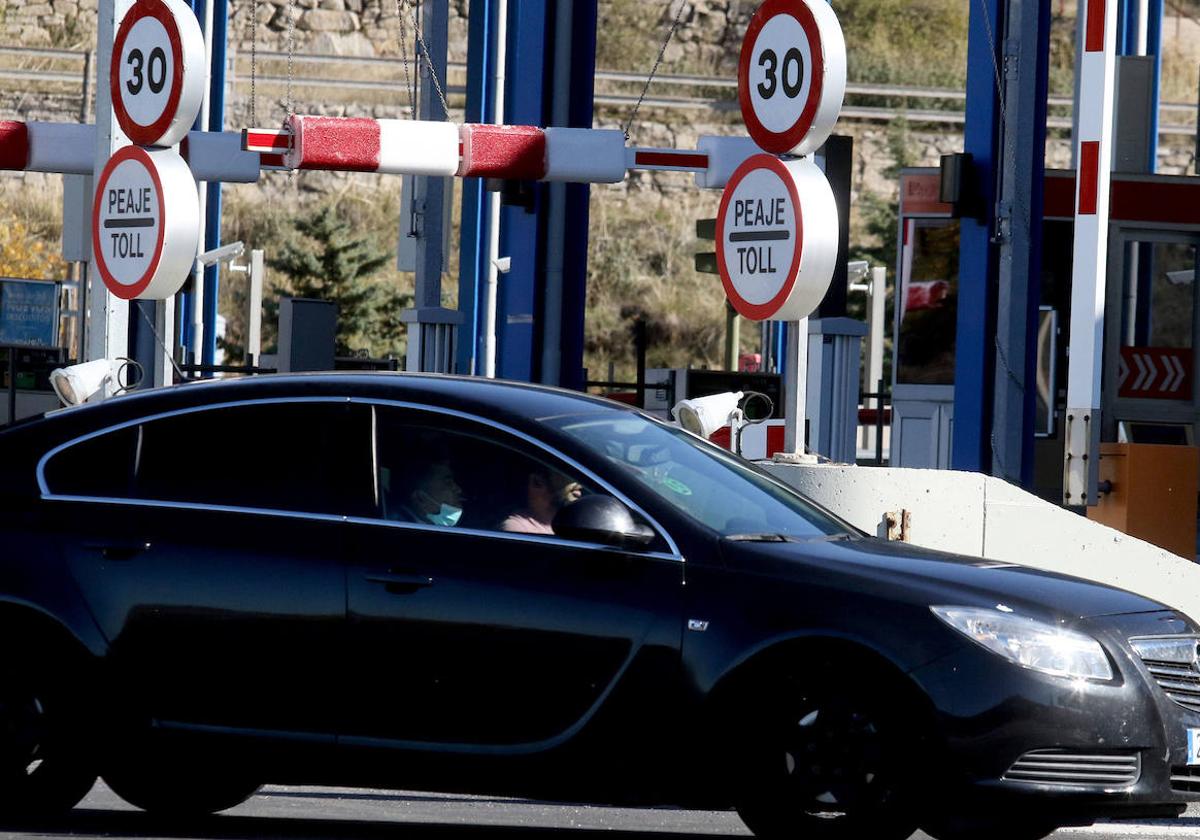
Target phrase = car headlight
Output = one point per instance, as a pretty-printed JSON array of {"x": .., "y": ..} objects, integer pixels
[{"x": 1030, "y": 643}]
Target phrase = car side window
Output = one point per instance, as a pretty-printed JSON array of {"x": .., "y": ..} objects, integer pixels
[
  {"x": 452, "y": 474},
  {"x": 101, "y": 466},
  {"x": 271, "y": 456}
]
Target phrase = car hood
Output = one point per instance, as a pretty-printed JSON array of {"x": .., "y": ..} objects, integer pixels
[{"x": 900, "y": 571}]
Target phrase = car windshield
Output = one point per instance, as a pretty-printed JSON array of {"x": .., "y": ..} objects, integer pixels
[{"x": 705, "y": 482}]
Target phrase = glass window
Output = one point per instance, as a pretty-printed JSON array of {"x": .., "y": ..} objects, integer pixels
[
  {"x": 442, "y": 472},
  {"x": 928, "y": 302},
  {"x": 273, "y": 456},
  {"x": 99, "y": 466},
  {"x": 705, "y": 482},
  {"x": 1159, "y": 288}
]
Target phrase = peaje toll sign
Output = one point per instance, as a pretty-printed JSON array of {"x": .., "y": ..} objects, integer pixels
[
  {"x": 158, "y": 72},
  {"x": 145, "y": 223},
  {"x": 792, "y": 75},
  {"x": 777, "y": 235}
]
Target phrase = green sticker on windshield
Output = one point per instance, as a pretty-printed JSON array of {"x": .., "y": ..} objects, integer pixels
[{"x": 677, "y": 486}]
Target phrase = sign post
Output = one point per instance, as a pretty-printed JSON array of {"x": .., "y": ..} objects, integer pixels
[{"x": 777, "y": 229}]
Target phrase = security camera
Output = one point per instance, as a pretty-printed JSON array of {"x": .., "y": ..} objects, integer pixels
[
  {"x": 704, "y": 415},
  {"x": 86, "y": 382}
]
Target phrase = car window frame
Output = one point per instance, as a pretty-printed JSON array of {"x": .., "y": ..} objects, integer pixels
[
  {"x": 673, "y": 552},
  {"x": 488, "y": 427},
  {"x": 49, "y": 495}
]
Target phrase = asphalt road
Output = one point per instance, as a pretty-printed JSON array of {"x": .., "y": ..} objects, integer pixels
[{"x": 279, "y": 813}]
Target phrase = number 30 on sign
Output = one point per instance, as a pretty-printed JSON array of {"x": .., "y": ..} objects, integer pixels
[
  {"x": 792, "y": 75},
  {"x": 158, "y": 72}
]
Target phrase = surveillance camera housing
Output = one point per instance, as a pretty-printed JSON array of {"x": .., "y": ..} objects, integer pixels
[
  {"x": 85, "y": 382},
  {"x": 704, "y": 415}
]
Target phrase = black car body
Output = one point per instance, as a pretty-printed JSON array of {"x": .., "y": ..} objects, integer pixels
[{"x": 208, "y": 588}]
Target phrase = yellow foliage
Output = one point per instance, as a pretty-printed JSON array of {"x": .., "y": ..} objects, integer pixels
[{"x": 22, "y": 254}]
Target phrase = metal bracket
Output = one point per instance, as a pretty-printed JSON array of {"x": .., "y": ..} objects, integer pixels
[{"x": 1081, "y": 464}]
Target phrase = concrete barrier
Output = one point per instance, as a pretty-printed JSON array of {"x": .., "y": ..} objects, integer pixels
[{"x": 978, "y": 515}]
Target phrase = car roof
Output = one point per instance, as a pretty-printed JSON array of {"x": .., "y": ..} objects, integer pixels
[{"x": 515, "y": 402}]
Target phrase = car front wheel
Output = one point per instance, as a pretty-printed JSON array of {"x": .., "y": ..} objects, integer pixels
[{"x": 823, "y": 762}]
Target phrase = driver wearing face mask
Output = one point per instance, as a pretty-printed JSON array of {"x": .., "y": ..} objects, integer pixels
[{"x": 433, "y": 496}]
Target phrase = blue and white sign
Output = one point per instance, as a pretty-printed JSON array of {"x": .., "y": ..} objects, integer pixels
[
  {"x": 28, "y": 313},
  {"x": 1193, "y": 755}
]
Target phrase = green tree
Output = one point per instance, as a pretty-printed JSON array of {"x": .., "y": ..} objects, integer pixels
[{"x": 328, "y": 262}]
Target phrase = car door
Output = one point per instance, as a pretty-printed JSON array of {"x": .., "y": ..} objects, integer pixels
[
  {"x": 208, "y": 545},
  {"x": 466, "y": 635}
]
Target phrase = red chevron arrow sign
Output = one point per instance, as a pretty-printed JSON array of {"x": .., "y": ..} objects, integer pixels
[{"x": 1157, "y": 373}]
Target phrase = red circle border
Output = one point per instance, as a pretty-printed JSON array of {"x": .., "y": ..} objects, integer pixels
[
  {"x": 147, "y": 135},
  {"x": 128, "y": 292},
  {"x": 760, "y": 311},
  {"x": 782, "y": 142}
]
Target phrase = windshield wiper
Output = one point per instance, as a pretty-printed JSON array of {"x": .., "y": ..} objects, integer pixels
[
  {"x": 765, "y": 537},
  {"x": 775, "y": 537}
]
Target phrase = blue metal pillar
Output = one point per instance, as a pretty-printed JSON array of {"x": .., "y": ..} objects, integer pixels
[
  {"x": 974, "y": 349},
  {"x": 522, "y": 217},
  {"x": 575, "y": 249},
  {"x": 212, "y": 227},
  {"x": 1154, "y": 48},
  {"x": 473, "y": 267}
]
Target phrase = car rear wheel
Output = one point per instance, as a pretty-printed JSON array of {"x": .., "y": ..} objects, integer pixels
[
  {"x": 43, "y": 770},
  {"x": 176, "y": 784},
  {"x": 825, "y": 762}
]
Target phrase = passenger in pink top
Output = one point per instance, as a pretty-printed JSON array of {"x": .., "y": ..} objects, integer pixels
[{"x": 547, "y": 492}]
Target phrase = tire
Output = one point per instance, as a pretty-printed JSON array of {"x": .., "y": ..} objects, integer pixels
[
  {"x": 175, "y": 784},
  {"x": 825, "y": 761},
  {"x": 980, "y": 828},
  {"x": 44, "y": 766}
]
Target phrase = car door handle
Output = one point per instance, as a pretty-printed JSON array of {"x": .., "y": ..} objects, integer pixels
[
  {"x": 400, "y": 583},
  {"x": 121, "y": 551}
]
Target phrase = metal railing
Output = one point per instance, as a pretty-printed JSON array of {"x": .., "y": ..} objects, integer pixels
[{"x": 854, "y": 110}]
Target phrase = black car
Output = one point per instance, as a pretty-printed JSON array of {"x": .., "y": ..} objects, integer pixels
[{"x": 453, "y": 584}]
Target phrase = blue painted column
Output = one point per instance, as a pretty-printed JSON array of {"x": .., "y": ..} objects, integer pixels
[
  {"x": 472, "y": 272},
  {"x": 575, "y": 251},
  {"x": 1154, "y": 48},
  {"x": 212, "y": 229},
  {"x": 975, "y": 348},
  {"x": 522, "y": 222}
]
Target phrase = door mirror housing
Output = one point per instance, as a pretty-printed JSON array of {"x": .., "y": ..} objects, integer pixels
[{"x": 601, "y": 519}]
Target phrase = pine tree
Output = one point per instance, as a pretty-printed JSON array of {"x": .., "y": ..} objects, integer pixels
[{"x": 334, "y": 265}]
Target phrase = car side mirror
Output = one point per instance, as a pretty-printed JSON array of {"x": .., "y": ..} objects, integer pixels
[{"x": 601, "y": 519}]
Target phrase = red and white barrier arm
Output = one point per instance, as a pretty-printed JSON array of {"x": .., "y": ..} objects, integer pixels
[
  {"x": 511, "y": 152},
  {"x": 70, "y": 148}
]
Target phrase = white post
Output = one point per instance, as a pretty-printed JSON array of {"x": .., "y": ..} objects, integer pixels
[
  {"x": 107, "y": 331},
  {"x": 254, "y": 307},
  {"x": 493, "y": 275},
  {"x": 1095, "y": 106},
  {"x": 795, "y": 389}
]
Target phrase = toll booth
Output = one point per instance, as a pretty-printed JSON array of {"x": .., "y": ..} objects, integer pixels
[{"x": 1150, "y": 390}]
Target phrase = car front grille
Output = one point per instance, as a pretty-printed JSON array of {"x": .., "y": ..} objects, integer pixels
[
  {"x": 1185, "y": 779},
  {"x": 1180, "y": 682},
  {"x": 1063, "y": 767}
]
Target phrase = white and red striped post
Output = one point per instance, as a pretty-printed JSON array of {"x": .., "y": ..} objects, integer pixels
[{"x": 1097, "y": 71}]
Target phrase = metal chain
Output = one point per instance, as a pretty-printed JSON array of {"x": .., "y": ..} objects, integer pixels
[
  {"x": 424, "y": 51},
  {"x": 291, "y": 64},
  {"x": 410, "y": 84},
  {"x": 661, "y": 51},
  {"x": 254, "y": 63}
]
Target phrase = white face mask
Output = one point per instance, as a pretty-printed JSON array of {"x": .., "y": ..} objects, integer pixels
[{"x": 448, "y": 516}]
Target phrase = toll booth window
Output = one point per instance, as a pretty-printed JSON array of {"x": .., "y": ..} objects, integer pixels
[
  {"x": 928, "y": 302},
  {"x": 1159, "y": 294}
]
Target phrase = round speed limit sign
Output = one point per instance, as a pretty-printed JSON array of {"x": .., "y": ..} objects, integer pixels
[
  {"x": 792, "y": 75},
  {"x": 158, "y": 72}
]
